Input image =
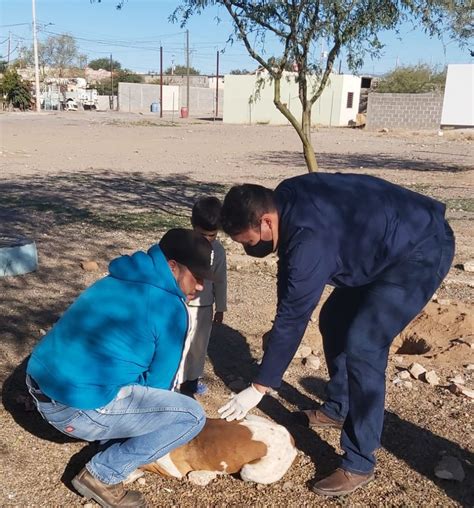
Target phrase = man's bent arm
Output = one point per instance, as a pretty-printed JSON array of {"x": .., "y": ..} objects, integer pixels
[{"x": 307, "y": 273}]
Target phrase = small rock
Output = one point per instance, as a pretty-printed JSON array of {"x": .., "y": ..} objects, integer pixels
[
  {"x": 89, "y": 266},
  {"x": 288, "y": 485},
  {"x": 431, "y": 378},
  {"x": 434, "y": 298},
  {"x": 303, "y": 352},
  {"x": 444, "y": 301},
  {"x": 469, "y": 366},
  {"x": 457, "y": 380},
  {"x": 42, "y": 332},
  {"x": 141, "y": 481},
  {"x": 416, "y": 370},
  {"x": 456, "y": 389},
  {"x": 407, "y": 384},
  {"x": 385, "y": 130},
  {"x": 467, "y": 392},
  {"x": 312, "y": 361},
  {"x": 398, "y": 360},
  {"x": 449, "y": 468},
  {"x": 201, "y": 478},
  {"x": 238, "y": 385},
  {"x": 468, "y": 266},
  {"x": 404, "y": 374},
  {"x": 260, "y": 486},
  {"x": 89, "y": 505}
]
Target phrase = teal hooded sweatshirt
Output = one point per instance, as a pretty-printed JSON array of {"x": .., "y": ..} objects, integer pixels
[{"x": 128, "y": 328}]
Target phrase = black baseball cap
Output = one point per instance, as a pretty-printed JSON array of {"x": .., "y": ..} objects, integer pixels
[{"x": 190, "y": 249}]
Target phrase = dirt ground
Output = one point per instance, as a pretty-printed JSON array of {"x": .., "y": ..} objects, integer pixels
[{"x": 92, "y": 186}]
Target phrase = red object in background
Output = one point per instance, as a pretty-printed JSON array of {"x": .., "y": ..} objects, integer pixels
[{"x": 184, "y": 112}]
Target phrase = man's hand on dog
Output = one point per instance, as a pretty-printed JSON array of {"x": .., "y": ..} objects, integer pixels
[{"x": 241, "y": 403}]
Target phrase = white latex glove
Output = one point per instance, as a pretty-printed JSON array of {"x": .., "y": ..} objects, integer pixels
[{"x": 240, "y": 404}]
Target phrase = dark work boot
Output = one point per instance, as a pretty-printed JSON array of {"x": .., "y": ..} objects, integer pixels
[
  {"x": 341, "y": 483},
  {"x": 108, "y": 496},
  {"x": 316, "y": 419}
]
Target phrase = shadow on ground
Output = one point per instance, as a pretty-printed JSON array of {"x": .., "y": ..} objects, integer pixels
[
  {"x": 231, "y": 357},
  {"x": 353, "y": 162},
  {"x": 74, "y": 215},
  {"x": 419, "y": 448},
  {"x": 18, "y": 402}
]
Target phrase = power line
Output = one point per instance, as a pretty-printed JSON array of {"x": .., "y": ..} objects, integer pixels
[{"x": 15, "y": 24}]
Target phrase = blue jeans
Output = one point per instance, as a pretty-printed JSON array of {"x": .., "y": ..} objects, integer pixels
[
  {"x": 143, "y": 423},
  {"x": 358, "y": 326}
]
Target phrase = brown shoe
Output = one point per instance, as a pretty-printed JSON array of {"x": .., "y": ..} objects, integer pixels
[
  {"x": 108, "y": 496},
  {"x": 316, "y": 419},
  {"x": 341, "y": 482}
]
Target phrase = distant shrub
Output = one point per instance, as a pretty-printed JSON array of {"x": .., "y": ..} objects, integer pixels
[{"x": 412, "y": 79}]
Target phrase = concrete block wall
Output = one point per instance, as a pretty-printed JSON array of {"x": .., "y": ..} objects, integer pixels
[
  {"x": 421, "y": 111},
  {"x": 202, "y": 101}
]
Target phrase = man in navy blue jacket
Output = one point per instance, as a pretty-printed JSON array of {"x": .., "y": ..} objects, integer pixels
[{"x": 384, "y": 248}]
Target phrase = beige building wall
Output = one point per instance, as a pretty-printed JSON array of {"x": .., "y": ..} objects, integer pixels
[
  {"x": 241, "y": 105},
  {"x": 138, "y": 97}
]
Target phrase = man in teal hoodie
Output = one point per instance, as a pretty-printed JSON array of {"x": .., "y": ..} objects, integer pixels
[{"x": 107, "y": 369}]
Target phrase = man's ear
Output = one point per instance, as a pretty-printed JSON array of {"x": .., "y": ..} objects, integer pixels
[{"x": 268, "y": 219}]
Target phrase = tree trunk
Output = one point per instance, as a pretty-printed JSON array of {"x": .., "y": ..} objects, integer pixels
[
  {"x": 303, "y": 129},
  {"x": 308, "y": 149}
]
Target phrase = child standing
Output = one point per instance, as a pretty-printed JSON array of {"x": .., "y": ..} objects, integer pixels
[{"x": 205, "y": 220}]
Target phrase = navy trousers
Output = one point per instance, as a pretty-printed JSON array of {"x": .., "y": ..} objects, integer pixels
[{"x": 358, "y": 325}]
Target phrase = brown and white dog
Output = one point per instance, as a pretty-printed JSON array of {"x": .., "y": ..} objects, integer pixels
[{"x": 261, "y": 450}]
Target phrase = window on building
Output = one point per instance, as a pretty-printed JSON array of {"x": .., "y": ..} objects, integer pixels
[{"x": 350, "y": 100}]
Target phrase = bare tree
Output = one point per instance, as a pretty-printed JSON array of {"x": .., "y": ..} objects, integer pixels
[
  {"x": 59, "y": 52},
  {"x": 349, "y": 25}
]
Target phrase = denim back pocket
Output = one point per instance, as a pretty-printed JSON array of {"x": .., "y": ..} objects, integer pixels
[{"x": 76, "y": 423}]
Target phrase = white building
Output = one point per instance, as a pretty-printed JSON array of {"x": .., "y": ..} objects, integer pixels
[
  {"x": 337, "y": 106},
  {"x": 458, "y": 102}
]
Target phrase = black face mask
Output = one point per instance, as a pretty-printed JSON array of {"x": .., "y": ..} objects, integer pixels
[{"x": 259, "y": 250}]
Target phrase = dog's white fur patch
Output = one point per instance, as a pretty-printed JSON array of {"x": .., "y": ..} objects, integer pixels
[
  {"x": 281, "y": 452},
  {"x": 168, "y": 465}
]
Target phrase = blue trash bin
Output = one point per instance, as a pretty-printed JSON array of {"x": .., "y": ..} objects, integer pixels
[{"x": 155, "y": 107}]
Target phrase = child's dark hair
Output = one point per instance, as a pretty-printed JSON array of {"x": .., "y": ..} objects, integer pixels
[{"x": 206, "y": 213}]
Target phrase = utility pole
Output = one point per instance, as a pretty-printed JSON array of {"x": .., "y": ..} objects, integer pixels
[
  {"x": 35, "y": 48},
  {"x": 111, "y": 98},
  {"x": 9, "y": 46},
  {"x": 187, "y": 70},
  {"x": 217, "y": 85},
  {"x": 161, "y": 81}
]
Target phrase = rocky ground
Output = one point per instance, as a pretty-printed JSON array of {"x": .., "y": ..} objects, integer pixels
[{"x": 94, "y": 186}]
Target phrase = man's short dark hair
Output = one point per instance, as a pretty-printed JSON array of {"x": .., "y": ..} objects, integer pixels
[
  {"x": 244, "y": 206},
  {"x": 206, "y": 213}
]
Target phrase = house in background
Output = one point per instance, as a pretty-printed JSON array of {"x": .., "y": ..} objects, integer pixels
[
  {"x": 458, "y": 101},
  {"x": 337, "y": 106}
]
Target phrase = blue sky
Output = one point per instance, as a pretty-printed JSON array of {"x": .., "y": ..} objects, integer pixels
[{"x": 134, "y": 34}]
